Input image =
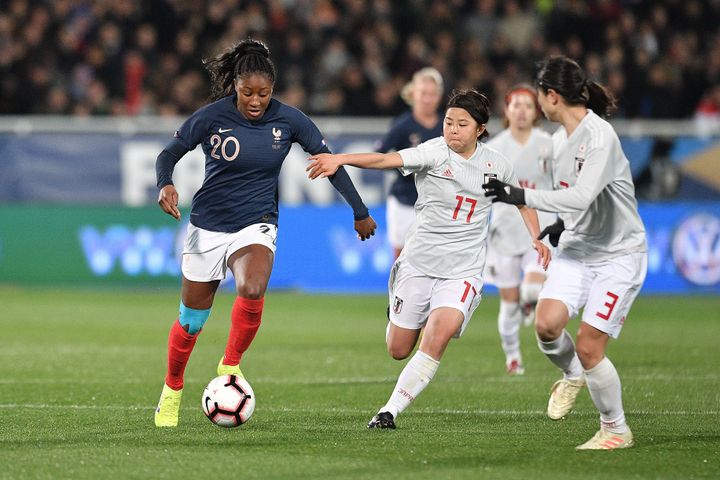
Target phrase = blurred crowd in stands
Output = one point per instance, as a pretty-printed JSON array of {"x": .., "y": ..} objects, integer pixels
[{"x": 351, "y": 57}]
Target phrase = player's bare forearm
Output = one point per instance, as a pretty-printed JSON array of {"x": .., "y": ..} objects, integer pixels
[
  {"x": 325, "y": 164},
  {"x": 531, "y": 220},
  {"x": 373, "y": 160}
]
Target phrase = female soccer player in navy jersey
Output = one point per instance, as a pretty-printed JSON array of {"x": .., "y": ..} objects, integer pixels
[
  {"x": 436, "y": 283},
  {"x": 602, "y": 254},
  {"x": 423, "y": 122},
  {"x": 246, "y": 135}
]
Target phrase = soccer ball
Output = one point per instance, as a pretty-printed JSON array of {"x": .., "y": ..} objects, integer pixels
[{"x": 228, "y": 401}]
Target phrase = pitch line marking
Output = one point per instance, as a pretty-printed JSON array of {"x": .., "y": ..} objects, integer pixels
[
  {"x": 349, "y": 380},
  {"x": 447, "y": 411}
]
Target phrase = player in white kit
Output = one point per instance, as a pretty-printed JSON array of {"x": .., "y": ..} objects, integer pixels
[
  {"x": 602, "y": 256},
  {"x": 512, "y": 264},
  {"x": 436, "y": 283}
]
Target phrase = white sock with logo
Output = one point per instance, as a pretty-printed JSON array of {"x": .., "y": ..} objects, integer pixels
[
  {"x": 605, "y": 390},
  {"x": 561, "y": 352},
  {"x": 509, "y": 319},
  {"x": 412, "y": 381}
]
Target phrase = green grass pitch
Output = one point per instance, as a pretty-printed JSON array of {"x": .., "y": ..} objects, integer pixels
[{"x": 81, "y": 372}]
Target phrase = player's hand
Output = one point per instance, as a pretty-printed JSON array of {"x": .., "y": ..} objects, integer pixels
[
  {"x": 544, "y": 255},
  {"x": 553, "y": 232},
  {"x": 168, "y": 201},
  {"x": 365, "y": 228},
  {"x": 503, "y": 192},
  {"x": 322, "y": 165}
]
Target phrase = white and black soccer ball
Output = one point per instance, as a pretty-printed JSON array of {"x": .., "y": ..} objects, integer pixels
[{"x": 228, "y": 401}]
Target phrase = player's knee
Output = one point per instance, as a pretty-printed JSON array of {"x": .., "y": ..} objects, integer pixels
[
  {"x": 547, "y": 328},
  {"x": 589, "y": 352},
  {"x": 549, "y": 321},
  {"x": 191, "y": 319},
  {"x": 251, "y": 290},
  {"x": 587, "y": 355},
  {"x": 398, "y": 352}
]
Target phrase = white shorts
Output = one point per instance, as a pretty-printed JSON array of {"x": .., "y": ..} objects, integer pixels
[
  {"x": 413, "y": 295},
  {"x": 206, "y": 253},
  {"x": 507, "y": 271},
  {"x": 607, "y": 289},
  {"x": 400, "y": 218}
]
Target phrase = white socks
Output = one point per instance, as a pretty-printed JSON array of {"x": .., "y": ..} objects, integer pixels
[
  {"x": 412, "y": 381},
  {"x": 509, "y": 319},
  {"x": 530, "y": 292},
  {"x": 561, "y": 352},
  {"x": 605, "y": 390}
]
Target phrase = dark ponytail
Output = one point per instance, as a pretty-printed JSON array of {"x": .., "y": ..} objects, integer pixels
[
  {"x": 565, "y": 76},
  {"x": 244, "y": 58},
  {"x": 473, "y": 102}
]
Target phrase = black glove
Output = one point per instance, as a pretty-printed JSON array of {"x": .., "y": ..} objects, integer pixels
[
  {"x": 503, "y": 192},
  {"x": 554, "y": 232}
]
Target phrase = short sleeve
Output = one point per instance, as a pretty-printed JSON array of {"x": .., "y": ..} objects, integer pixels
[
  {"x": 193, "y": 130},
  {"x": 424, "y": 157},
  {"x": 509, "y": 174},
  {"x": 307, "y": 134}
]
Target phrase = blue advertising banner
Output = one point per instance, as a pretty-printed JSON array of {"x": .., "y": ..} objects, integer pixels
[{"x": 318, "y": 250}]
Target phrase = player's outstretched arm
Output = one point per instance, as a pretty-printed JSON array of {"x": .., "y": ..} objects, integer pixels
[
  {"x": 326, "y": 164},
  {"x": 531, "y": 222},
  {"x": 168, "y": 201}
]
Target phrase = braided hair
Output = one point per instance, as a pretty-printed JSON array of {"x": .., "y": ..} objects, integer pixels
[{"x": 244, "y": 58}]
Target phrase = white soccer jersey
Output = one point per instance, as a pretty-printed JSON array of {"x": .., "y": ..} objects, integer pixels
[
  {"x": 594, "y": 194},
  {"x": 532, "y": 165},
  {"x": 447, "y": 239}
]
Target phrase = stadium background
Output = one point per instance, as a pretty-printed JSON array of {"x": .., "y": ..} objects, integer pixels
[{"x": 91, "y": 91}]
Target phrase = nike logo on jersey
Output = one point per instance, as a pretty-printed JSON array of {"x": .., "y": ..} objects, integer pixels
[{"x": 224, "y": 130}]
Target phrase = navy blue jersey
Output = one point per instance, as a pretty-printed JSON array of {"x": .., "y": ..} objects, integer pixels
[
  {"x": 243, "y": 160},
  {"x": 406, "y": 132}
]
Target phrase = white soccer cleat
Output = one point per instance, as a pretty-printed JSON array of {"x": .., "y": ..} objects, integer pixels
[
  {"x": 562, "y": 397},
  {"x": 605, "y": 440}
]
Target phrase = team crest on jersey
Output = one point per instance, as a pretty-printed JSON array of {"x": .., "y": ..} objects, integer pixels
[
  {"x": 397, "y": 304},
  {"x": 277, "y": 134},
  {"x": 489, "y": 176},
  {"x": 579, "y": 161}
]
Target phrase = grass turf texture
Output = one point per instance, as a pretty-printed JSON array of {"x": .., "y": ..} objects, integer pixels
[{"x": 81, "y": 372}]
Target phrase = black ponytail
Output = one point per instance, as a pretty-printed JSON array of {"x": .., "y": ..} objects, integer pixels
[
  {"x": 473, "y": 102},
  {"x": 565, "y": 76},
  {"x": 244, "y": 58}
]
